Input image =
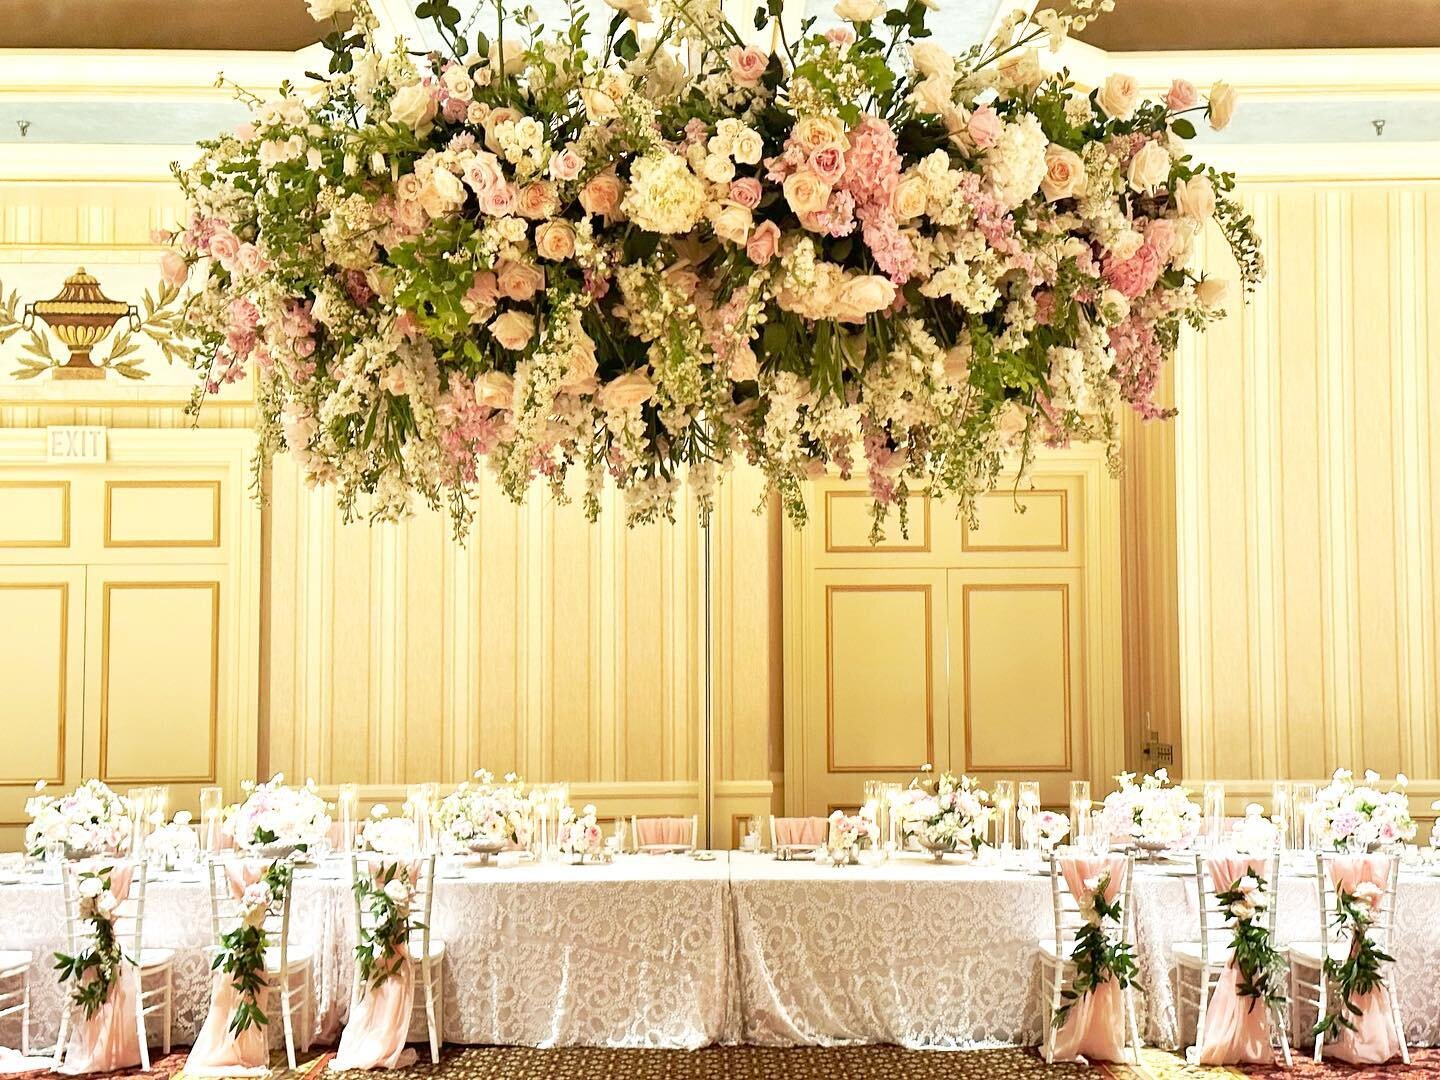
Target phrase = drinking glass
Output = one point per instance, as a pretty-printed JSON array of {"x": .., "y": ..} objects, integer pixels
[
  {"x": 1003, "y": 796},
  {"x": 1028, "y": 803},
  {"x": 212, "y": 807},
  {"x": 1280, "y": 812},
  {"x": 1079, "y": 810},
  {"x": 1302, "y": 799},
  {"x": 1214, "y": 800}
]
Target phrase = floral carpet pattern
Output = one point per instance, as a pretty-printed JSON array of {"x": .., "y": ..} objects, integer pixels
[{"x": 802, "y": 1063}]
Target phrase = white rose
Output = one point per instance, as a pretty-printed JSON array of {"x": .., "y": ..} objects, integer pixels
[
  {"x": 623, "y": 394},
  {"x": 90, "y": 887},
  {"x": 1195, "y": 198},
  {"x": 1119, "y": 96},
  {"x": 320, "y": 10},
  {"x": 931, "y": 59},
  {"x": 1150, "y": 167},
  {"x": 413, "y": 106},
  {"x": 1212, "y": 292},
  {"x": 731, "y": 222},
  {"x": 1064, "y": 173},
  {"x": 513, "y": 329},
  {"x": 909, "y": 197},
  {"x": 859, "y": 11},
  {"x": 934, "y": 95},
  {"x": 396, "y": 891},
  {"x": 1222, "y": 105}
]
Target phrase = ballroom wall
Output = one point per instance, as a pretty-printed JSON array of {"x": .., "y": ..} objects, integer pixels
[{"x": 1282, "y": 609}]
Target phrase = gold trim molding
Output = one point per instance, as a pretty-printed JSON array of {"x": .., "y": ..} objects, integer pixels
[
  {"x": 1064, "y": 545},
  {"x": 63, "y": 486},
  {"x": 213, "y": 486},
  {"x": 63, "y": 696},
  {"x": 882, "y": 548}
]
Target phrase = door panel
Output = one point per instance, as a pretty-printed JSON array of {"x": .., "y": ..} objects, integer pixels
[{"x": 42, "y": 665}]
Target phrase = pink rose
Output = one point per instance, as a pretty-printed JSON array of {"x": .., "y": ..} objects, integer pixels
[
  {"x": 602, "y": 194},
  {"x": 747, "y": 65},
  {"x": 483, "y": 172},
  {"x": 764, "y": 242},
  {"x": 513, "y": 329},
  {"x": 840, "y": 36},
  {"x": 746, "y": 192},
  {"x": 173, "y": 268},
  {"x": 248, "y": 259},
  {"x": 519, "y": 280},
  {"x": 566, "y": 165},
  {"x": 555, "y": 240},
  {"x": 225, "y": 245},
  {"x": 828, "y": 163},
  {"x": 984, "y": 127},
  {"x": 499, "y": 199},
  {"x": 1182, "y": 95}
]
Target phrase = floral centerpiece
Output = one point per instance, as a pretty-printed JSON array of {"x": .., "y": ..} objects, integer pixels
[
  {"x": 91, "y": 820},
  {"x": 387, "y": 835},
  {"x": 1154, "y": 813},
  {"x": 1045, "y": 829},
  {"x": 276, "y": 820},
  {"x": 1361, "y": 817},
  {"x": 174, "y": 843},
  {"x": 948, "y": 814},
  {"x": 851, "y": 834},
  {"x": 578, "y": 835},
  {"x": 1255, "y": 834},
  {"x": 572, "y": 253},
  {"x": 484, "y": 817}
]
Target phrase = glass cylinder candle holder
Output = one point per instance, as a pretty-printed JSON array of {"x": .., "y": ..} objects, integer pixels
[
  {"x": 347, "y": 805},
  {"x": 1079, "y": 810},
  {"x": 1302, "y": 802},
  {"x": 1214, "y": 811},
  {"x": 212, "y": 810},
  {"x": 1028, "y": 806},
  {"x": 138, "y": 801},
  {"x": 1002, "y": 795},
  {"x": 890, "y": 834},
  {"x": 1280, "y": 812}
]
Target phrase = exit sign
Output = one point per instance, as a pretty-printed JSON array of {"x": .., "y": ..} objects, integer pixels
[{"x": 75, "y": 445}]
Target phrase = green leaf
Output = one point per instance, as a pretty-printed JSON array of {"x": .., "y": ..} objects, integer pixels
[{"x": 1183, "y": 127}]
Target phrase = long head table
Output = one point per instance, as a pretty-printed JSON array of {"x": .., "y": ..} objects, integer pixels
[{"x": 667, "y": 951}]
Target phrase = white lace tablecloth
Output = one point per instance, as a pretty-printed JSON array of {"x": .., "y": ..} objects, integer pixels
[
  {"x": 635, "y": 953},
  {"x": 945, "y": 956}
]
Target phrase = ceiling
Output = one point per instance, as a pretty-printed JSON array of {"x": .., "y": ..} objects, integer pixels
[
  {"x": 280, "y": 25},
  {"x": 1163, "y": 25}
]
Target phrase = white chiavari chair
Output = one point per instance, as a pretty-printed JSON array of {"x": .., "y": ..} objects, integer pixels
[
  {"x": 1308, "y": 983},
  {"x": 15, "y": 965},
  {"x": 642, "y": 829},
  {"x": 155, "y": 967},
  {"x": 1198, "y": 964},
  {"x": 427, "y": 952},
  {"x": 289, "y": 968},
  {"x": 1055, "y": 950}
]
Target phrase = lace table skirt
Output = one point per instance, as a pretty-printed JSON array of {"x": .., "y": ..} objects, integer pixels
[{"x": 664, "y": 951}]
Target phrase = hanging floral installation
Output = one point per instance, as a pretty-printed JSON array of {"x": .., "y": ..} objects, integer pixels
[{"x": 651, "y": 253}]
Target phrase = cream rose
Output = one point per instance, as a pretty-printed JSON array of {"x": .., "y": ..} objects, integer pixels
[
  {"x": 862, "y": 296},
  {"x": 812, "y": 132},
  {"x": 513, "y": 329},
  {"x": 519, "y": 280},
  {"x": 627, "y": 392},
  {"x": 321, "y": 10},
  {"x": 1119, "y": 96},
  {"x": 1222, "y": 105},
  {"x": 859, "y": 11},
  {"x": 1021, "y": 69},
  {"x": 414, "y": 106},
  {"x": 1212, "y": 292},
  {"x": 555, "y": 240},
  {"x": 1149, "y": 168},
  {"x": 747, "y": 65},
  {"x": 934, "y": 95},
  {"x": 602, "y": 194},
  {"x": 1195, "y": 198},
  {"x": 930, "y": 59},
  {"x": 909, "y": 197},
  {"x": 731, "y": 221},
  {"x": 495, "y": 389},
  {"x": 806, "y": 193},
  {"x": 1064, "y": 173},
  {"x": 442, "y": 194},
  {"x": 537, "y": 201}
]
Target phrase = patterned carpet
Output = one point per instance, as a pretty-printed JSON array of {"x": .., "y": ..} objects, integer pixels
[{"x": 759, "y": 1063}]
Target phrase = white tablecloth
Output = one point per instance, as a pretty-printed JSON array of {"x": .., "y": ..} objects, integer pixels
[{"x": 666, "y": 951}]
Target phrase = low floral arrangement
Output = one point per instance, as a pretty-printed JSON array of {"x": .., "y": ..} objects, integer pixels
[
  {"x": 949, "y": 813},
  {"x": 1101, "y": 953},
  {"x": 1255, "y": 834},
  {"x": 579, "y": 835},
  {"x": 389, "y": 836},
  {"x": 1358, "y": 972},
  {"x": 173, "y": 844},
  {"x": 241, "y": 954},
  {"x": 95, "y": 968},
  {"x": 484, "y": 813},
  {"x": 1153, "y": 813},
  {"x": 91, "y": 820},
  {"x": 1435, "y": 827},
  {"x": 1361, "y": 817},
  {"x": 572, "y": 252},
  {"x": 1262, "y": 968},
  {"x": 1045, "y": 829},
  {"x": 386, "y": 896},
  {"x": 275, "y": 817},
  {"x": 851, "y": 834}
]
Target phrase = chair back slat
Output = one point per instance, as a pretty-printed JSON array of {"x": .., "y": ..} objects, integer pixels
[{"x": 128, "y": 916}]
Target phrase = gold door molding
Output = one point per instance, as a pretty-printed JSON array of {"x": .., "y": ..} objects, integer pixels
[
  {"x": 62, "y": 540},
  {"x": 108, "y": 588},
  {"x": 212, "y": 487},
  {"x": 1027, "y": 496},
  {"x": 969, "y": 589},
  {"x": 893, "y": 540},
  {"x": 928, "y": 617}
]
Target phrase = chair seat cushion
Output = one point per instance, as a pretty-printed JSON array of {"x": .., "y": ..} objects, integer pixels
[
  {"x": 155, "y": 958},
  {"x": 1307, "y": 953},
  {"x": 299, "y": 956},
  {"x": 1187, "y": 954},
  {"x": 437, "y": 949}
]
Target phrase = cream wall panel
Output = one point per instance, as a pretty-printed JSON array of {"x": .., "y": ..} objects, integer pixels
[
  {"x": 1306, "y": 459},
  {"x": 34, "y": 513},
  {"x": 1002, "y": 526},
  {"x": 162, "y": 513}
]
